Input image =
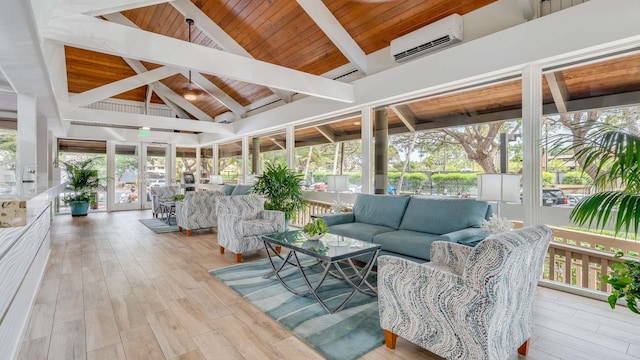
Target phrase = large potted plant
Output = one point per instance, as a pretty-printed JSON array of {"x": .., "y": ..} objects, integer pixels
[
  {"x": 614, "y": 152},
  {"x": 281, "y": 188},
  {"x": 83, "y": 181}
]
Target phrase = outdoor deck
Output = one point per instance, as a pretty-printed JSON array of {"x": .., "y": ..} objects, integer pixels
[{"x": 115, "y": 290}]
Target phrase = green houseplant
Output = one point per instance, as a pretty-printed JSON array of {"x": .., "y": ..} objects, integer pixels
[
  {"x": 281, "y": 188},
  {"x": 83, "y": 181},
  {"x": 614, "y": 152}
]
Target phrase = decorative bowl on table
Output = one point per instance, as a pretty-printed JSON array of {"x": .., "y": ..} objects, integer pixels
[{"x": 313, "y": 244}]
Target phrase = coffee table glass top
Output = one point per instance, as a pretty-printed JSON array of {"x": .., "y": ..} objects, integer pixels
[{"x": 329, "y": 247}]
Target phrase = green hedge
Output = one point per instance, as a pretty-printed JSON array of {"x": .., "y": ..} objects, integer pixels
[
  {"x": 548, "y": 179},
  {"x": 454, "y": 182},
  {"x": 576, "y": 178}
]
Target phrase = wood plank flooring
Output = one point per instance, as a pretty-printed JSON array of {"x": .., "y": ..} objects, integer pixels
[{"x": 115, "y": 290}]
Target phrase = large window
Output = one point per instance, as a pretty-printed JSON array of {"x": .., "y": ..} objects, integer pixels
[
  {"x": 83, "y": 149},
  {"x": 438, "y": 144},
  {"x": 8, "y": 176},
  {"x": 185, "y": 161},
  {"x": 577, "y": 100},
  {"x": 329, "y": 148},
  {"x": 206, "y": 164},
  {"x": 230, "y": 162},
  {"x": 268, "y": 148}
]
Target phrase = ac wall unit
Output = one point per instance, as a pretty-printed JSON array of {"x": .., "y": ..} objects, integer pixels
[{"x": 437, "y": 35}]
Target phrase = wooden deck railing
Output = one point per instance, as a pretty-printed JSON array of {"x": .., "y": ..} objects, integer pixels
[{"x": 591, "y": 255}]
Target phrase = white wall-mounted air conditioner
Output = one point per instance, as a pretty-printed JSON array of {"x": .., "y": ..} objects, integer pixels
[{"x": 437, "y": 35}]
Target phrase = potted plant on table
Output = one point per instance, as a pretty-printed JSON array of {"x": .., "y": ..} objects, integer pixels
[
  {"x": 281, "y": 188},
  {"x": 315, "y": 229},
  {"x": 614, "y": 152},
  {"x": 83, "y": 181}
]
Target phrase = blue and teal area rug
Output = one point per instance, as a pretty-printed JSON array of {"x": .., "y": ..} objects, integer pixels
[
  {"x": 160, "y": 226},
  {"x": 347, "y": 334}
]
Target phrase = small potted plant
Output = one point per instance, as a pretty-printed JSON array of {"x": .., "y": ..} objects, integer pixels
[
  {"x": 315, "y": 229},
  {"x": 83, "y": 181}
]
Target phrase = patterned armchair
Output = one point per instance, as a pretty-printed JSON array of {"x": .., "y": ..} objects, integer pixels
[
  {"x": 467, "y": 303},
  {"x": 161, "y": 193},
  {"x": 197, "y": 210},
  {"x": 242, "y": 221}
]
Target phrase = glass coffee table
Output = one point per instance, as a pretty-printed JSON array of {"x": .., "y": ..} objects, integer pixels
[{"x": 333, "y": 254}]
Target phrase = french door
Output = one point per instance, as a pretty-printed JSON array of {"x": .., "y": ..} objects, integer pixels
[{"x": 134, "y": 168}]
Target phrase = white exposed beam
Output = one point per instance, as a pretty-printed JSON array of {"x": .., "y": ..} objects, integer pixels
[
  {"x": 216, "y": 93},
  {"x": 147, "y": 99},
  {"x": 121, "y": 86},
  {"x": 61, "y": 8},
  {"x": 219, "y": 36},
  {"x": 282, "y": 147},
  {"x": 558, "y": 90},
  {"x": 98, "y": 35},
  {"x": 169, "y": 96},
  {"x": 6, "y": 87},
  {"x": 200, "y": 80},
  {"x": 327, "y": 132},
  {"x": 405, "y": 114},
  {"x": 137, "y": 120},
  {"x": 328, "y": 23},
  {"x": 119, "y": 134}
]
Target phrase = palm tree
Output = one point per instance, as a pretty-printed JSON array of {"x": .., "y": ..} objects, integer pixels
[{"x": 614, "y": 152}]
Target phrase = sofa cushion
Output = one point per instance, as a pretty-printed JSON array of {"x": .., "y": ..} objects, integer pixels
[
  {"x": 380, "y": 209},
  {"x": 360, "y": 231},
  {"x": 406, "y": 242},
  {"x": 242, "y": 189},
  {"x": 228, "y": 189},
  {"x": 442, "y": 215}
]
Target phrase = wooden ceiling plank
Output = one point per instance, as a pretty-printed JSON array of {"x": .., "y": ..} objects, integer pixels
[
  {"x": 97, "y": 8},
  {"x": 219, "y": 36},
  {"x": 99, "y": 35},
  {"x": 558, "y": 90},
  {"x": 118, "y": 87},
  {"x": 405, "y": 114},
  {"x": 137, "y": 120},
  {"x": 327, "y": 132},
  {"x": 336, "y": 33}
]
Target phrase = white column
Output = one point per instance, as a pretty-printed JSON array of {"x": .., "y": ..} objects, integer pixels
[
  {"x": 290, "y": 145},
  {"x": 171, "y": 166},
  {"x": 531, "y": 151},
  {"x": 198, "y": 165},
  {"x": 245, "y": 159},
  {"x": 27, "y": 134},
  {"x": 43, "y": 158},
  {"x": 366, "y": 130},
  {"x": 216, "y": 159}
]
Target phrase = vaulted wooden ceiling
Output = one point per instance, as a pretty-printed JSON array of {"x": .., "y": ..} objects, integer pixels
[{"x": 278, "y": 32}]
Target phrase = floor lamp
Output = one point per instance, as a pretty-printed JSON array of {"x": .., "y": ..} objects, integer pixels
[
  {"x": 337, "y": 183},
  {"x": 499, "y": 188}
]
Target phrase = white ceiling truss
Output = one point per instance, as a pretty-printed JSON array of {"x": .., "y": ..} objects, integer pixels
[{"x": 73, "y": 23}]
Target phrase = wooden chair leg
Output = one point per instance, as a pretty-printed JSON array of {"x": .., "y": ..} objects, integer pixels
[
  {"x": 188, "y": 232},
  {"x": 279, "y": 249},
  {"x": 238, "y": 258},
  {"x": 221, "y": 250},
  {"x": 179, "y": 228},
  {"x": 524, "y": 348},
  {"x": 390, "y": 339}
]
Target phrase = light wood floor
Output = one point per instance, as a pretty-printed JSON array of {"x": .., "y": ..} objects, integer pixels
[{"x": 115, "y": 290}]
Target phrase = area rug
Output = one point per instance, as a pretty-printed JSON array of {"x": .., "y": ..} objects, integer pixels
[
  {"x": 345, "y": 335},
  {"x": 160, "y": 226}
]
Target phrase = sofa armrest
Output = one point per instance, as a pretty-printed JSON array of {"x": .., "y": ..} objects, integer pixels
[
  {"x": 464, "y": 236},
  {"x": 274, "y": 216},
  {"x": 449, "y": 254},
  {"x": 230, "y": 231},
  {"x": 339, "y": 218}
]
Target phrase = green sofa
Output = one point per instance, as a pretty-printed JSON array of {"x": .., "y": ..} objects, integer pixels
[{"x": 407, "y": 225}]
